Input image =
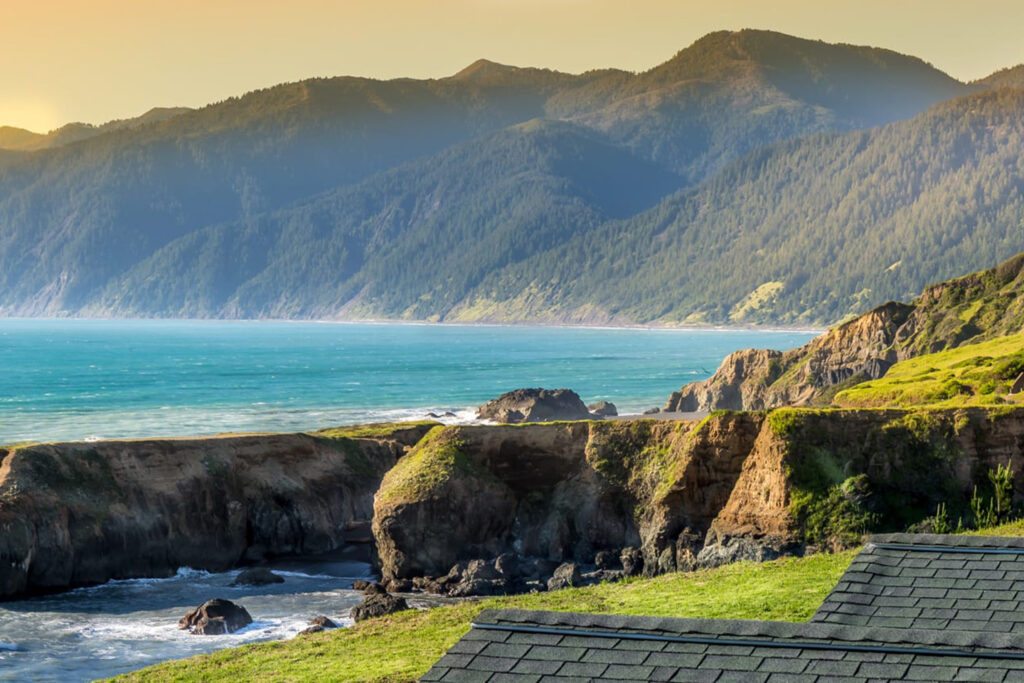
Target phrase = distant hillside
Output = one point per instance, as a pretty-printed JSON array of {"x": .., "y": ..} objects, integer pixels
[
  {"x": 980, "y": 307},
  {"x": 83, "y": 225},
  {"x": 804, "y": 232},
  {"x": 410, "y": 242},
  {"x": 1011, "y": 77},
  {"x": 24, "y": 140}
]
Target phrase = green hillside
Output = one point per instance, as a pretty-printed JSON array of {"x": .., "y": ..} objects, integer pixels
[
  {"x": 809, "y": 231},
  {"x": 77, "y": 217},
  {"x": 969, "y": 375}
]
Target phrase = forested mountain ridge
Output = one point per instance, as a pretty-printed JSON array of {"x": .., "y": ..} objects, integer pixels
[
  {"x": 804, "y": 232},
  {"x": 349, "y": 197}
]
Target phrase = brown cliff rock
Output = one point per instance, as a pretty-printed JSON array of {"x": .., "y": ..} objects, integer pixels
[
  {"x": 78, "y": 514},
  {"x": 675, "y": 496},
  {"x": 979, "y": 306}
]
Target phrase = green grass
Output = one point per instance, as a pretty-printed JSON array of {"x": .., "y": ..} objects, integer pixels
[
  {"x": 403, "y": 646},
  {"x": 371, "y": 431},
  {"x": 972, "y": 375}
]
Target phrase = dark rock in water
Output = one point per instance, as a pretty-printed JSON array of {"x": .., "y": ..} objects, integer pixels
[
  {"x": 215, "y": 617},
  {"x": 632, "y": 560},
  {"x": 256, "y": 576},
  {"x": 374, "y": 589},
  {"x": 433, "y": 415},
  {"x": 450, "y": 414},
  {"x": 534, "y": 405},
  {"x": 318, "y": 624},
  {"x": 652, "y": 411},
  {"x": 378, "y": 605},
  {"x": 360, "y": 585},
  {"x": 603, "y": 409},
  {"x": 566, "y": 576}
]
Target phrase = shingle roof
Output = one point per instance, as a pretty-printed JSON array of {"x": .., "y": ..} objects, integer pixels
[
  {"x": 932, "y": 582},
  {"x": 516, "y": 645}
]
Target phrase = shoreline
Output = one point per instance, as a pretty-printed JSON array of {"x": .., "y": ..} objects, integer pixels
[{"x": 635, "y": 327}]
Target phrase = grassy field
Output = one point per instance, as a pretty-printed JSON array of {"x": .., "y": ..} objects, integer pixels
[{"x": 971, "y": 375}]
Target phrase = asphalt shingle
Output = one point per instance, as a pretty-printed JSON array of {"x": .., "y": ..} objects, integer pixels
[{"x": 910, "y": 607}]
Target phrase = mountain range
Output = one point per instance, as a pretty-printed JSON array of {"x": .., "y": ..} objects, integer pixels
[{"x": 754, "y": 178}]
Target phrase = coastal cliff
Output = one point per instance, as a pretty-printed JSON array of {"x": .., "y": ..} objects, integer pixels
[
  {"x": 684, "y": 494},
  {"x": 495, "y": 508},
  {"x": 77, "y": 514},
  {"x": 976, "y": 307}
]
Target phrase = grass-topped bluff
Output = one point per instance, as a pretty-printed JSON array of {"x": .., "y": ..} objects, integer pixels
[
  {"x": 958, "y": 314},
  {"x": 976, "y": 374},
  {"x": 665, "y": 496}
]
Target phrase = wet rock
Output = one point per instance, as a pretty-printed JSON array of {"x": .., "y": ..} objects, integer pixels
[
  {"x": 534, "y": 405},
  {"x": 360, "y": 585},
  {"x": 215, "y": 617},
  {"x": 398, "y": 585},
  {"x": 318, "y": 624},
  {"x": 378, "y": 605},
  {"x": 652, "y": 411},
  {"x": 566, "y": 576},
  {"x": 632, "y": 561},
  {"x": 374, "y": 589},
  {"x": 603, "y": 409},
  {"x": 256, "y": 576}
]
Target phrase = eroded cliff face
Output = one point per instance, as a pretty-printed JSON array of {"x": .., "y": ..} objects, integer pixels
[
  {"x": 687, "y": 494},
  {"x": 83, "y": 513},
  {"x": 979, "y": 306}
]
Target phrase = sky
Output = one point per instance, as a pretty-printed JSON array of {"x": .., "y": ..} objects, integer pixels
[{"x": 98, "y": 60}]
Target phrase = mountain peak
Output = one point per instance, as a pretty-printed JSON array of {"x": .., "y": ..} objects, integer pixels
[{"x": 485, "y": 69}]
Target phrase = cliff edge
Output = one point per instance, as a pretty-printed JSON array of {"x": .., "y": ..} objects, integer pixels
[{"x": 976, "y": 307}]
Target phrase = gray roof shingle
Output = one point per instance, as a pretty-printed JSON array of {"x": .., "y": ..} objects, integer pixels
[
  {"x": 933, "y": 582},
  {"x": 910, "y": 607},
  {"x": 603, "y": 647}
]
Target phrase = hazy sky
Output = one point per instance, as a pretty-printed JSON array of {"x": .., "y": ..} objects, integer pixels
[{"x": 96, "y": 60}]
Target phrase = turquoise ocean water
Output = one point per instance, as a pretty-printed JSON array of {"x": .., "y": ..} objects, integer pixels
[{"x": 89, "y": 379}]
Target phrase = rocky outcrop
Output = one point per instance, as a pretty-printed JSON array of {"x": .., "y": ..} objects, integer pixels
[
  {"x": 215, "y": 617},
  {"x": 82, "y": 513},
  {"x": 317, "y": 625},
  {"x": 495, "y": 509},
  {"x": 603, "y": 409},
  {"x": 979, "y": 306},
  {"x": 378, "y": 605},
  {"x": 534, "y": 405}
]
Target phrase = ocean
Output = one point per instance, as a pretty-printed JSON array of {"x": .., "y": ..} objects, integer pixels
[
  {"x": 82, "y": 380},
  {"x": 64, "y": 380}
]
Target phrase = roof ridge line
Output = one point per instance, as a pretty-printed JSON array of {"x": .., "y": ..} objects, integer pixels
[{"x": 845, "y": 646}]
